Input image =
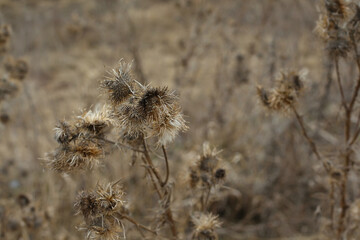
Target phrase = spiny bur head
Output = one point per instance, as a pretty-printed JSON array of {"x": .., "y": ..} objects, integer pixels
[
  {"x": 120, "y": 85},
  {"x": 170, "y": 123},
  {"x": 337, "y": 8},
  {"x": 63, "y": 132},
  {"x": 96, "y": 122},
  {"x": 103, "y": 229},
  {"x": 131, "y": 120},
  {"x": 87, "y": 204},
  {"x": 205, "y": 225},
  {"x": 289, "y": 86},
  {"x": 77, "y": 156},
  {"x": 110, "y": 197},
  {"x": 163, "y": 114}
]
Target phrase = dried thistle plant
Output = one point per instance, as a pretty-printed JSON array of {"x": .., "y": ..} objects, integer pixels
[
  {"x": 205, "y": 226},
  {"x": 284, "y": 96},
  {"x": 81, "y": 143},
  {"x": 338, "y": 28},
  {"x": 139, "y": 114},
  {"x": 206, "y": 175}
]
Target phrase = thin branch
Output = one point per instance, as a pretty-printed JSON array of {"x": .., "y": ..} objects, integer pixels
[
  {"x": 307, "y": 137},
  {"x": 149, "y": 161},
  {"x": 338, "y": 78},
  {"x": 121, "y": 144},
  {"x": 133, "y": 221},
  {"x": 167, "y": 167}
]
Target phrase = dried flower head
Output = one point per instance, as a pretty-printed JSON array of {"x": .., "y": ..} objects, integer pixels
[
  {"x": 120, "y": 86},
  {"x": 81, "y": 141},
  {"x": 205, "y": 226},
  {"x": 289, "y": 86},
  {"x": 143, "y": 111},
  {"x": 110, "y": 197},
  {"x": 64, "y": 132},
  {"x": 87, "y": 204},
  {"x": 207, "y": 170},
  {"x": 169, "y": 125},
  {"x": 103, "y": 210},
  {"x": 131, "y": 121},
  {"x": 76, "y": 156},
  {"x": 337, "y": 8},
  {"x": 97, "y": 122},
  {"x": 103, "y": 229}
]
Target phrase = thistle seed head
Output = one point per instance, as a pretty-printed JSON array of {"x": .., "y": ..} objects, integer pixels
[
  {"x": 96, "y": 122},
  {"x": 121, "y": 85},
  {"x": 87, "y": 204},
  {"x": 289, "y": 86},
  {"x": 205, "y": 226}
]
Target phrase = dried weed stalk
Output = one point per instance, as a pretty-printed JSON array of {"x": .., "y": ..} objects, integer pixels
[{"x": 338, "y": 27}]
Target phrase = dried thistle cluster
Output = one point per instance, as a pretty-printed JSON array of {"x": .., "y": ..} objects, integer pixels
[
  {"x": 338, "y": 26},
  {"x": 204, "y": 226},
  {"x": 207, "y": 172},
  {"x": 138, "y": 113},
  {"x": 103, "y": 210},
  {"x": 285, "y": 94},
  {"x": 142, "y": 111},
  {"x": 81, "y": 142}
]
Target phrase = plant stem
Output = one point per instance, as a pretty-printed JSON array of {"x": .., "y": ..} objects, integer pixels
[{"x": 167, "y": 167}]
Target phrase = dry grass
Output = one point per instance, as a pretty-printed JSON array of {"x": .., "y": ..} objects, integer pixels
[{"x": 183, "y": 129}]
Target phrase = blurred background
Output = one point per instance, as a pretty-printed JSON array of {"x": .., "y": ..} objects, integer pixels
[{"x": 213, "y": 54}]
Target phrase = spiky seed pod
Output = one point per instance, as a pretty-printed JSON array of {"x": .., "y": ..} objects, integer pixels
[
  {"x": 209, "y": 159},
  {"x": 87, "y": 204},
  {"x": 96, "y": 122},
  {"x": 110, "y": 197},
  {"x": 103, "y": 229},
  {"x": 289, "y": 86},
  {"x": 131, "y": 120},
  {"x": 79, "y": 155},
  {"x": 336, "y": 8},
  {"x": 205, "y": 225},
  {"x": 63, "y": 132},
  {"x": 155, "y": 101},
  {"x": 169, "y": 125},
  {"x": 163, "y": 114},
  {"x": 120, "y": 85}
]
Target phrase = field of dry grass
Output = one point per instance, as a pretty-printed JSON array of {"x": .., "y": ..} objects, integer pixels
[{"x": 270, "y": 182}]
